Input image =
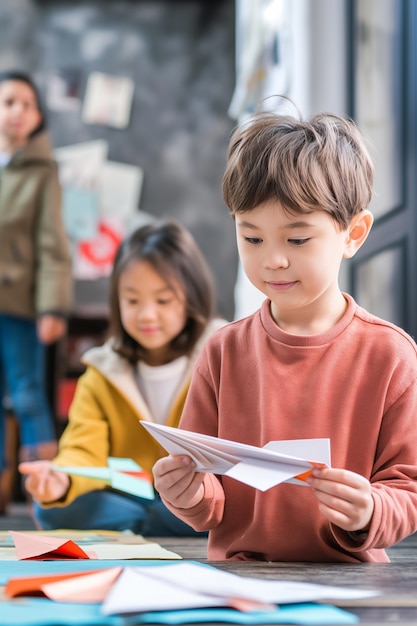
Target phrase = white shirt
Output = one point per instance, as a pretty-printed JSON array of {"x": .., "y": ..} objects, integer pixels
[{"x": 159, "y": 385}]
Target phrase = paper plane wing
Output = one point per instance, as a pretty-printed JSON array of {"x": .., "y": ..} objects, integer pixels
[
  {"x": 261, "y": 468},
  {"x": 121, "y": 474},
  {"x": 128, "y": 476}
]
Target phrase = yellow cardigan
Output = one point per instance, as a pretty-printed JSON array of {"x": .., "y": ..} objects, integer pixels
[{"x": 104, "y": 416}]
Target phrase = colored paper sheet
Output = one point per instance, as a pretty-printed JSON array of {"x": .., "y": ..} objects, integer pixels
[{"x": 43, "y": 612}]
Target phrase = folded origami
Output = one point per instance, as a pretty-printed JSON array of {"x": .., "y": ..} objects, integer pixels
[
  {"x": 121, "y": 474},
  {"x": 174, "y": 587},
  {"x": 35, "y": 546},
  {"x": 41, "y": 547},
  {"x": 262, "y": 468}
]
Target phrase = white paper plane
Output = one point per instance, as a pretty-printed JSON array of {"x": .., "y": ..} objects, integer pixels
[
  {"x": 121, "y": 474},
  {"x": 189, "y": 585},
  {"x": 262, "y": 468}
]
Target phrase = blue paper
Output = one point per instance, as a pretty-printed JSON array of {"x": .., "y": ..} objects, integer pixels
[
  {"x": 288, "y": 614},
  {"x": 21, "y": 569},
  {"x": 80, "y": 212},
  {"x": 43, "y": 612}
]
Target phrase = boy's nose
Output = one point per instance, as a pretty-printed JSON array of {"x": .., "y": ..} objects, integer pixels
[{"x": 275, "y": 260}]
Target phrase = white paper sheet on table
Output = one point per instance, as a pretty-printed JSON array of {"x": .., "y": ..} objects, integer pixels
[
  {"x": 187, "y": 585},
  {"x": 262, "y": 468}
]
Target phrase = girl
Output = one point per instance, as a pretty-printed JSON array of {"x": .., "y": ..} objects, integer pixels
[
  {"x": 35, "y": 268},
  {"x": 161, "y": 306}
]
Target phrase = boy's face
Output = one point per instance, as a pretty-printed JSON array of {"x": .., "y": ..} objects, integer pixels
[
  {"x": 294, "y": 260},
  {"x": 19, "y": 113}
]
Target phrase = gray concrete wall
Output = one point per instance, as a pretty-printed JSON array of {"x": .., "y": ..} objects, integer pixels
[{"x": 180, "y": 55}]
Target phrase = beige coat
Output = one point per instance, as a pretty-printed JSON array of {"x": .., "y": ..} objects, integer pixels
[{"x": 35, "y": 262}]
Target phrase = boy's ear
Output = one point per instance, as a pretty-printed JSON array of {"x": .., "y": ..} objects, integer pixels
[{"x": 357, "y": 232}]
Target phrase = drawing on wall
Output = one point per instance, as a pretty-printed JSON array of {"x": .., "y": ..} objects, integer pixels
[
  {"x": 62, "y": 93},
  {"x": 100, "y": 205},
  {"x": 108, "y": 100}
]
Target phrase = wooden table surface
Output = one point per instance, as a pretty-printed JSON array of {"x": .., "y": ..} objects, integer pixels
[{"x": 397, "y": 580}]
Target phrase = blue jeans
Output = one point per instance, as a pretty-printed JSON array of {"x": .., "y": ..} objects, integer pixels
[
  {"x": 22, "y": 376},
  {"x": 110, "y": 510}
]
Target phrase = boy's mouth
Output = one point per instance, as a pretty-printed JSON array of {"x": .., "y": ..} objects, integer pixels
[{"x": 281, "y": 285}]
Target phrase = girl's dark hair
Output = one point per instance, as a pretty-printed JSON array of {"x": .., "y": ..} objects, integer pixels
[
  {"x": 172, "y": 252},
  {"x": 25, "y": 78}
]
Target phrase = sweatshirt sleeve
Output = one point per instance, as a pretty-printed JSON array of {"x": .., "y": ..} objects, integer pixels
[
  {"x": 85, "y": 441},
  {"x": 53, "y": 274},
  {"x": 394, "y": 479}
]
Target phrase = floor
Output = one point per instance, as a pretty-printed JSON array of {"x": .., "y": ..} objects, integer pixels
[{"x": 17, "y": 518}]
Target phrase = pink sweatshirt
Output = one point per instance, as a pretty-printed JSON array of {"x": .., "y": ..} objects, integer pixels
[{"x": 355, "y": 384}]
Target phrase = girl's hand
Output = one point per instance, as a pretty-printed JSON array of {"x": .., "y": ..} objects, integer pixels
[
  {"x": 42, "y": 482},
  {"x": 177, "y": 482},
  {"x": 50, "y": 328},
  {"x": 344, "y": 498}
]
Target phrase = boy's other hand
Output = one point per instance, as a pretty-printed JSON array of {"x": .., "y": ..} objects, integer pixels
[
  {"x": 43, "y": 483},
  {"x": 177, "y": 482},
  {"x": 344, "y": 498}
]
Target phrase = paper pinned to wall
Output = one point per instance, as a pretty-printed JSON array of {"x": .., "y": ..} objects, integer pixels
[
  {"x": 108, "y": 100},
  {"x": 120, "y": 187},
  {"x": 100, "y": 205}
]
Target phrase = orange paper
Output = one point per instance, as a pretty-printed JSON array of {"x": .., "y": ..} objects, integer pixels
[{"x": 91, "y": 586}]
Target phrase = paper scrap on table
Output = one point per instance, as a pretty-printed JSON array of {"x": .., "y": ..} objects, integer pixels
[
  {"x": 278, "y": 461},
  {"x": 42, "y": 547},
  {"x": 121, "y": 474}
]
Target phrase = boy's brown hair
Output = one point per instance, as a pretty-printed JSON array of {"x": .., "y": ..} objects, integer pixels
[
  {"x": 173, "y": 253},
  {"x": 318, "y": 164}
]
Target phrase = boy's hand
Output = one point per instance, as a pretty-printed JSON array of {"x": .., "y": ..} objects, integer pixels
[
  {"x": 344, "y": 498},
  {"x": 177, "y": 482},
  {"x": 43, "y": 483}
]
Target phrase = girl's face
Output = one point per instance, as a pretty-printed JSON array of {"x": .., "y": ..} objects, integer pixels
[
  {"x": 153, "y": 313},
  {"x": 19, "y": 113}
]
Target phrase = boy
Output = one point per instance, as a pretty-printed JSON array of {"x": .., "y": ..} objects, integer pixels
[{"x": 310, "y": 363}]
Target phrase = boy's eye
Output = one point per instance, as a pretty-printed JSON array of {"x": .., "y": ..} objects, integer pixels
[
  {"x": 299, "y": 241},
  {"x": 164, "y": 300}
]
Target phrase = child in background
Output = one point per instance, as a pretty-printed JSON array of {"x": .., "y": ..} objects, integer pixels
[
  {"x": 310, "y": 363},
  {"x": 35, "y": 267},
  {"x": 161, "y": 308}
]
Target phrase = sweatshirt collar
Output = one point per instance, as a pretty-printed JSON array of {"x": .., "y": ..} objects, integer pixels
[{"x": 288, "y": 339}]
